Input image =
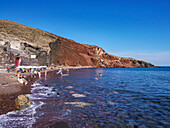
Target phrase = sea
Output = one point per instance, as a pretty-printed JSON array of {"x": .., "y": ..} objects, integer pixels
[{"x": 97, "y": 98}]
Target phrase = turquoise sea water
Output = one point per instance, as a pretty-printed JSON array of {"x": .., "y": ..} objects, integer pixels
[{"x": 120, "y": 98}]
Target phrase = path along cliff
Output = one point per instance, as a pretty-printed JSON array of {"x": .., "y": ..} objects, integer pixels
[{"x": 48, "y": 48}]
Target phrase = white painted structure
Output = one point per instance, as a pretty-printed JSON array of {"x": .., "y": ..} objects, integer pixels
[{"x": 33, "y": 56}]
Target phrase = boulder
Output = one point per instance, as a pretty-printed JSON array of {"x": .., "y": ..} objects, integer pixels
[{"x": 22, "y": 102}]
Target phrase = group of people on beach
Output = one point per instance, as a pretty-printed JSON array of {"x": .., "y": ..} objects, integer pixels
[
  {"x": 19, "y": 73},
  {"x": 35, "y": 72}
]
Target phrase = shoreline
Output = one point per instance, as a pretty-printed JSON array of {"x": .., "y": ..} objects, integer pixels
[
  {"x": 10, "y": 91},
  {"x": 10, "y": 85},
  {"x": 12, "y": 88}
]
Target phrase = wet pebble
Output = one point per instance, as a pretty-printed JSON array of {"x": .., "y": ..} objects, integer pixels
[
  {"x": 3, "y": 83},
  {"x": 46, "y": 85},
  {"x": 53, "y": 90}
]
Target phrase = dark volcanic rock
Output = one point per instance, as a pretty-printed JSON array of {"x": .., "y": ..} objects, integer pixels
[{"x": 52, "y": 49}]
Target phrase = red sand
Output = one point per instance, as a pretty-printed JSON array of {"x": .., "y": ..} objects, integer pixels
[{"x": 10, "y": 91}]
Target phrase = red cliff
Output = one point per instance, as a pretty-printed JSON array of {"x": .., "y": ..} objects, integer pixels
[{"x": 53, "y": 49}]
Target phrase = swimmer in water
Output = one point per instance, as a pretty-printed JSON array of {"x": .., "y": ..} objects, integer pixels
[
  {"x": 45, "y": 73},
  {"x": 96, "y": 78},
  {"x": 61, "y": 73}
]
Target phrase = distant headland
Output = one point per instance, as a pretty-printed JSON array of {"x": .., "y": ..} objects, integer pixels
[{"x": 38, "y": 47}]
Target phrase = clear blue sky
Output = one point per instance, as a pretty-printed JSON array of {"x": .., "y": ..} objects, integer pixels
[{"x": 131, "y": 28}]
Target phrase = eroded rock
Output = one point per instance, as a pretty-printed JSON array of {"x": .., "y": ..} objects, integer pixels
[{"x": 22, "y": 102}]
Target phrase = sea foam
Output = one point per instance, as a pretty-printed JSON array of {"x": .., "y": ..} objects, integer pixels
[{"x": 26, "y": 117}]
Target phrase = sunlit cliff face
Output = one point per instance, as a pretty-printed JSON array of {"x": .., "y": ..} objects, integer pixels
[{"x": 52, "y": 49}]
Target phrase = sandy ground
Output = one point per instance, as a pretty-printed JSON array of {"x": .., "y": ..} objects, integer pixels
[
  {"x": 9, "y": 84},
  {"x": 10, "y": 89}
]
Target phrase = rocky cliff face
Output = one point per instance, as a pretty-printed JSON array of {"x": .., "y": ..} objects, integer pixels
[{"x": 53, "y": 49}]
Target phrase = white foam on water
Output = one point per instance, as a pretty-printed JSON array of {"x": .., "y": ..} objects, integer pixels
[
  {"x": 41, "y": 92},
  {"x": 23, "y": 118},
  {"x": 26, "y": 117}
]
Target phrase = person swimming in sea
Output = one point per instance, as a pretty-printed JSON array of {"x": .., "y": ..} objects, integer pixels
[
  {"x": 61, "y": 73},
  {"x": 96, "y": 78}
]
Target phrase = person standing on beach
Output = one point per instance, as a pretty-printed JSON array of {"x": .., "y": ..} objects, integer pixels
[
  {"x": 15, "y": 71},
  {"x": 61, "y": 74},
  {"x": 8, "y": 69},
  {"x": 31, "y": 72},
  {"x": 35, "y": 73},
  {"x": 39, "y": 74},
  {"x": 45, "y": 73}
]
